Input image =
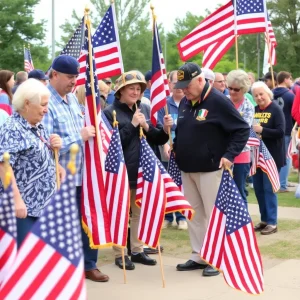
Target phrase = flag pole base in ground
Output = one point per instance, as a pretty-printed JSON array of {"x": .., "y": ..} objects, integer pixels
[
  {"x": 161, "y": 267},
  {"x": 124, "y": 267}
]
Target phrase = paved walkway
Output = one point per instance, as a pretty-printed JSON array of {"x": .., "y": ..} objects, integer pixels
[{"x": 282, "y": 279}]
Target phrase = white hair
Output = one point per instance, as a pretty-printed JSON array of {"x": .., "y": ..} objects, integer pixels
[
  {"x": 240, "y": 78},
  {"x": 260, "y": 84},
  {"x": 32, "y": 90}
]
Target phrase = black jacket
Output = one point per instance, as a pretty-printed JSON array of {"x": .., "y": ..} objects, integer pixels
[
  {"x": 130, "y": 137},
  {"x": 208, "y": 131},
  {"x": 273, "y": 122}
]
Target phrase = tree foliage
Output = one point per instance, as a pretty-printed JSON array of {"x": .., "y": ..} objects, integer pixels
[{"x": 17, "y": 27}]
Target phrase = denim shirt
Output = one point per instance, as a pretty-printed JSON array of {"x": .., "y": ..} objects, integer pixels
[{"x": 32, "y": 161}]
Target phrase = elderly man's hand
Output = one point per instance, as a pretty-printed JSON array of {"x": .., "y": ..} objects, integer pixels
[
  {"x": 55, "y": 141},
  {"x": 168, "y": 123},
  {"x": 87, "y": 132},
  {"x": 225, "y": 163}
]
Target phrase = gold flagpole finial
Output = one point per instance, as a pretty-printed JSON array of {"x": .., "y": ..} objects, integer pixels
[
  {"x": 86, "y": 10},
  {"x": 7, "y": 176},
  {"x": 115, "y": 123},
  {"x": 112, "y": 1},
  {"x": 74, "y": 149}
]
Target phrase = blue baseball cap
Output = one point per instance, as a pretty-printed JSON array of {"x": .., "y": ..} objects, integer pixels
[
  {"x": 66, "y": 64},
  {"x": 148, "y": 75},
  {"x": 38, "y": 74}
]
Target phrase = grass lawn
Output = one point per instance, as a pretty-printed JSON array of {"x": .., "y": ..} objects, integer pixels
[{"x": 284, "y": 199}]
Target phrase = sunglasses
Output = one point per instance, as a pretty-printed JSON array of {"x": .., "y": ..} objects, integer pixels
[
  {"x": 234, "y": 89},
  {"x": 131, "y": 76}
]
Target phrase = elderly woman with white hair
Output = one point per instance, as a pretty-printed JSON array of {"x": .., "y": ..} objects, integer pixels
[
  {"x": 238, "y": 85},
  {"x": 271, "y": 128},
  {"x": 31, "y": 154}
]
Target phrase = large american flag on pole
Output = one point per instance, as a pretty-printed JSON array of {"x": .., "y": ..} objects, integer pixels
[
  {"x": 95, "y": 215},
  {"x": 220, "y": 25},
  {"x": 107, "y": 49},
  {"x": 28, "y": 63},
  {"x": 49, "y": 264},
  {"x": 230, "y": 243},
  {"x": 8, "y": 232},
  {"x": 117, "y": 190},
  {"x": 159, "y": 83},
  {"x": 156, "y": 194}
]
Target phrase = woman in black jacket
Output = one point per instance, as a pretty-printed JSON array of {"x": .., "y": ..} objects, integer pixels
[
  {"x": 271, "y": 128},
  {"x": 131, "y": 114}
]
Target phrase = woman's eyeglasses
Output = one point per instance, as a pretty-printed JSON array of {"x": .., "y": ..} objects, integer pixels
[{"x": 234, "y": 89}]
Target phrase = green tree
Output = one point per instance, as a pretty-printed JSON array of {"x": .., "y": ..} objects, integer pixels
[
  {"x": 133, "y": 26},
  {"x": 17, "y": 27}
]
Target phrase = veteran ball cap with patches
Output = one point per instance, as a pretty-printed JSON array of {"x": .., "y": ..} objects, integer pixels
[
  {"x": 66, "y": 64},
  {"x": 186, "y": 73}
]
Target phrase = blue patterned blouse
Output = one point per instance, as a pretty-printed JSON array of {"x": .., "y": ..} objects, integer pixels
[{"x": 32, "y": 161}]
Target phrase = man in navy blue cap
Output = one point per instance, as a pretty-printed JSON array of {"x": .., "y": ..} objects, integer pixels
[
  {"x": 39, "y": 75},
  {"x": 65, "y": 118},
  {"x": 210, "y": 132}
]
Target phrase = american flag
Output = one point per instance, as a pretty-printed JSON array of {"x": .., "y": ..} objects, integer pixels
[
  {"x": 28, "y": 63},
  {"x": 8, "y": 233},
  {"x": 253, "y": 140},
  {"x": 159, "y": 83},
  {"x": 106, "y": 133},
  {"x": 94, "y": 207},
  {"x": 267, "y": 164},
  {"x": 230, "y": 243},
  {"x": 49, "y": 264},
  {"x": 74, "y": 48},
  {"x": 272, "y": 46},
  {"x": 107, "y": 49},
  {"x": 220, "y": 25},
  {"x": 156, "y": 194},
  {"x": 117, "y": 190},
  {"x": 214, "y": 52}
]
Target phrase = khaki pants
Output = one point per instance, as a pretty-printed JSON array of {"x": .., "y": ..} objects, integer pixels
[
  {"x": 136, "y": 245},
  {"x": 201, "y": 190}
]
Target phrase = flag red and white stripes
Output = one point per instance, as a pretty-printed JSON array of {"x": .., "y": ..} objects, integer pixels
[
  {"x": 8, "y": 233},
  {"x": 28, "y": 63},
  {"x": 230, "y": 243},
  {"x": 49, "y": 263},
  {"x": 222, "y": 24},
  {"x": 95, "y": 215},
  {"x": 117, "y": 190},
  {"x": 159, "y": 83}
]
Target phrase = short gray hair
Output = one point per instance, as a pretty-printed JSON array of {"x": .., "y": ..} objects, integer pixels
[
  {"x": 260, "y": 84},
  {"x": 32, "y": 90},
  {"x": 240, "y": 78}
]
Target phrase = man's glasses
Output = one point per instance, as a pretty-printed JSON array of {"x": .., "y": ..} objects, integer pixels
[
  {"x": 220, "y": 81},
  {"x": 233, "y": 89}
]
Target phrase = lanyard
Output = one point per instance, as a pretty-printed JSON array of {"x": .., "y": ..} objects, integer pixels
[{"x": 37, "y": 133}]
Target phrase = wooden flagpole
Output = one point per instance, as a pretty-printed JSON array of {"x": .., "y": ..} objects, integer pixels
[
  {"x": 270, "y": 57},
  {"x": 91, "y": 66},
  {"x": 56, "y": 168},
  {"x": 236, "y": 38}
]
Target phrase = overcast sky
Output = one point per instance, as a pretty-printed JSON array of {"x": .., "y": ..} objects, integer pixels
[{"x": 166, "y": 10}]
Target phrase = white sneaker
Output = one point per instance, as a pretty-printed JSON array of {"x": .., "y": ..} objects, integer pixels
[
  {"x": 182, "y": 225},
  {"x": 166, "y": 224}
]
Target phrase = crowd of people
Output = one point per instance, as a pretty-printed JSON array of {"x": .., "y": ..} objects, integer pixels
[{"x": 207, "y": 125}]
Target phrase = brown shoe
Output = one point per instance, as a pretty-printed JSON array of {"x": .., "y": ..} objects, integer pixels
[
  {"x": 269, "y": 229},
  {"x": 260, "y": 226},
  {"x": 96, "y": 275}
]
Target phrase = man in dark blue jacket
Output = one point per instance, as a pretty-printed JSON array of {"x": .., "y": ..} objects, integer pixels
[
  {"x": 210, "y": 133},
  {"x": 284, "y": 97}
]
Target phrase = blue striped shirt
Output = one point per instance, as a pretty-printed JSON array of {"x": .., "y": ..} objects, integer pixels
[{"x": 65, "y": 119}]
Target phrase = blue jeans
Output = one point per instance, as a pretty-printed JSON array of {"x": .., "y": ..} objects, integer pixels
[
  {"x": 90, "y": 255},
  {"x": 178, "y": 215},
  {"x": 23, "y": 228},
  {"x": 266, "y": 198},
  {"x": 240, "y": 173},
  {"x": 284, "y": 172}
]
